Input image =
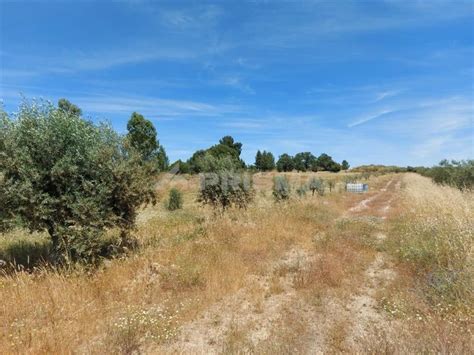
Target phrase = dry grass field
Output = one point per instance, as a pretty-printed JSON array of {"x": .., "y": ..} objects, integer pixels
[{"x": 388, "y": 271}]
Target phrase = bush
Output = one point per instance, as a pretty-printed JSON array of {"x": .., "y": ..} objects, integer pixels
[
  {"x": 459, "y": 174},
  {"x": 281, "y": 188},
  {"x": 316, "y": 185},
  {"x": 71, "y": 178},
  {"x": 175, "y": 200},
  {"x": 301, "y": 191},
  {"x": 225, "y": 189}
]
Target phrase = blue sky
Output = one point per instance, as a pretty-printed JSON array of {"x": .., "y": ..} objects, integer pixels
[{"x": 368, "y": 81}]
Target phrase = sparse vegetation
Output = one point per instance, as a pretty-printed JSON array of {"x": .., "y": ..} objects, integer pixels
[
  {"x": 316, "y": 185},
  {"x": 225, "y": 189},
  {"x": 256, "y": 280},
  {"x": 175, "y": 200},
  {"x": 301, "y": 191},
  {"x": 459, "y": 174},
  {"x": 281, "y": 188},
  {"x": 192, "y": 270}
]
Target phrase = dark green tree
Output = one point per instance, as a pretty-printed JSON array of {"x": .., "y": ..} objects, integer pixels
[
  {"x": 285, "y": 163},
  {"x": 225, "y": 155},
  {"x": 229, "y": 141},
  {"x": 258, "y": 160},
  {"x": 345, "y": 165},
  {"x": 162, "y": 159},
  {"x": 304, "y": 161},
  {"x": 71, "y": 178},
  {"x": 326, "y": 163},
  {"x": 264, "y": 161},
  {"x": 142, "y": 137}
]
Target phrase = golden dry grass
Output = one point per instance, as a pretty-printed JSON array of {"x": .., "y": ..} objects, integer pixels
[{"x": 191, "y": 259}]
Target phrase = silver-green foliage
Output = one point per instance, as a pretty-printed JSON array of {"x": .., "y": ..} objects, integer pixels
[
  {"x": 69, "y": 177},
  {"x": 224, "y": 189},
  {"x": 281, "y": 188},
  {"x": 316, "y": 185},
  {"x": 301, "y": 191}
]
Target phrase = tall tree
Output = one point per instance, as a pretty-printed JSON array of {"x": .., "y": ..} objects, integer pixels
[
  {"x": 229, "y": 141},
  {"x": 142, "y": 137},
  {"x": 325, "y": 162},
  {"x": 345, "y": 165},
  {"x": 285, "y": 163},
  {"x": 162, "y": 159},
  {"x": 258, "y": 160},
  {"x": 223, "y": 156},
  {"x": 264, "y": 161},
  {"x": 268, "y": 161},
  {"x": 304, "y": 161}
]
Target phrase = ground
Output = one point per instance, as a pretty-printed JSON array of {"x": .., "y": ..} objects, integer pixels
[{"x": 313, "y": 275}]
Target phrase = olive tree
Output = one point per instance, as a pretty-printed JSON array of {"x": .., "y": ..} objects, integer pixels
[
  {"x": 281, "y": 188},
  {"x": 224, "y": 189},
  {"x": 69, "y": 177},
  {"x": 316, "y": 185}
]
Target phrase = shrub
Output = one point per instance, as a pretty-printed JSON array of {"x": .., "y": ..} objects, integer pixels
[
  {"x": 316, "y": 185},
  {"x": 281, "y": 188},
  {"x": 459, "y": 174},
  {"x": 69, "y": 177},
  {"x": 175, "y": 200},
  {"x": 301, "y": 191},
  {"x": 225, "y": 189}
]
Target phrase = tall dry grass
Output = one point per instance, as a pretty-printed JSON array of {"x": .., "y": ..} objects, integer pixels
[
  {"x": 188, "y": 260},
  {"x": 431, "y": 301},
  {"x": 434, "y": 235}
]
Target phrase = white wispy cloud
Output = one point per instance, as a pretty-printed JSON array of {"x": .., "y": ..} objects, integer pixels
[
  {"x": 153, "y": 107},
  {"x": 108, "y": 105},
  {"x": 385, "y": 94},
  {"x": 369, "y": 117}
]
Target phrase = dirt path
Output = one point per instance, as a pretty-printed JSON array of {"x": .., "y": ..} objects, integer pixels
[
  {"x": 245, "y": 310},
  {"x": 251, "y": 320},
  {"x": 363, "y": 306}
]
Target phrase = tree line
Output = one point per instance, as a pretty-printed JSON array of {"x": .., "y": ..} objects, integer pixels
[{"x": 226, "y": 155}]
